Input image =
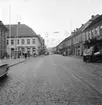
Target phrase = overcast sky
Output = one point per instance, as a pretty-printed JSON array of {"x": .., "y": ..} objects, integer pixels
[{"x": 46, "y": 17}]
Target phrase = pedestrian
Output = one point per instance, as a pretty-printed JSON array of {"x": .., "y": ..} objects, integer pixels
[{"x": 25, "y": 55}]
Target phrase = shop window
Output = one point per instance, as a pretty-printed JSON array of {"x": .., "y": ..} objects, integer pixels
[
  {"x": 28, "y": 49},
  {"x": 34, "y": 49}
]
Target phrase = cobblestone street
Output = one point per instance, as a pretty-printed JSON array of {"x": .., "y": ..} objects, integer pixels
[{"x": 52, "y": 80}]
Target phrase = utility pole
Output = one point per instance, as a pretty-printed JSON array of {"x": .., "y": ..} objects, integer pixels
[
  {"x": 17, "y": 37},
  {"x": 16, "y": 40},
  {"x": 9, "y": 38}
]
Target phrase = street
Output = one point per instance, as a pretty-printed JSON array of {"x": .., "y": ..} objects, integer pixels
[{"x": 52, "y": 80}]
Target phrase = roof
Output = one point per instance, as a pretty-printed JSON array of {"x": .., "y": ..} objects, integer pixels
[
  {"x": 41, "y": 40},
  {"x": 85, "y": 25},
  {"x": 95, "y": 21},
  {"x": 23, "y": 30},
  {"x": 88, "y": 23},
  {"x": 3, "y": 26}
]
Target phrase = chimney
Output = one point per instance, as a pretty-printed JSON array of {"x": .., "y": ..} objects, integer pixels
[
  {"x": 0, "y": 22},
  {"x": 92, "y": 16},
  {"x": 19, "y": 23},
  {"x": 76, "y": 29}
]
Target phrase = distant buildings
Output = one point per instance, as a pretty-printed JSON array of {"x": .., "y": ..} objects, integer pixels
[
  {"x": 42, "y": 48},
  {"x": 22, "y": 40},
  {"x": 90, "y": 33},
  {"x": 3, "y": 35}
]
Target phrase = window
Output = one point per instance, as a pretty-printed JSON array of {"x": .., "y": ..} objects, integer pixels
[
  {"x": 100, "y": 26},
  {"x": 23, "y": 50},
  {"x": 28, "y": 49},
  {"x": 7, "y": 42},
  {"x": 18, "y": 41},
  {"x": 22, "y": 41},
  {"x": 90, "y": 35},
  {"x": 12, "y": 42},
  {"x": 93, "y": 32},
  {"x": 34, "y": 49},
  {"x": 33, "y": 41},
  {"x": 87, "y": 36},
  {"x": 83, "y": 36},
  {"x": 28, "y": 41},
  {"x": 98, "y": 31}
]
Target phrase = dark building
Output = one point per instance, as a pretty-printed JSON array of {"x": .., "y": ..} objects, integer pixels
[{"x": 3, "y": 36}]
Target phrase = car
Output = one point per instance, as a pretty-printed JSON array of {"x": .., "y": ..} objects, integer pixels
[
  {"x": 64, "y": 54},
  {"x": 46, "y": 53},
  {"x": 92, "y": 55},
  {"x": 3, "y": 70}
]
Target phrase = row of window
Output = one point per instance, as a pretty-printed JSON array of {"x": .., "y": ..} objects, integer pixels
[
  {"x": 86, "y": 35},
  {"x": 25, "y": 49},
  {"x": 28, "y": 49},
  {"x": 22, "y": 41},
  {"x": 92, "y": 33}
]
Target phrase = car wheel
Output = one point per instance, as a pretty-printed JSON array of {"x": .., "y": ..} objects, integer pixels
[
  {"x": 84, "y": 59},
  {"x": 91, "y": 59}
]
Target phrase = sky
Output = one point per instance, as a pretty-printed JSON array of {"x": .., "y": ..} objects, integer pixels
[{"x": 54, "y": 20}]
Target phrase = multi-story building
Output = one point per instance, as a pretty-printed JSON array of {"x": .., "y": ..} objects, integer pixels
[
  {"x": 22, "y": 39},
  {"x": 3, "y": 35},
  {"x": 91, "y": 30}
]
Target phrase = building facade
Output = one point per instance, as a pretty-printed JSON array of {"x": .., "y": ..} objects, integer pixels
[
  {"x": 22, "y": 40},
  {"x": 92, "y": 29},
  {"x": 3, "y": 36}
]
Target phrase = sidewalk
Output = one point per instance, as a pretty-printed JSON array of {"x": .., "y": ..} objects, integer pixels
[
  {"x": 12, "y": 62},
  {"x": 75, "y": 56}
]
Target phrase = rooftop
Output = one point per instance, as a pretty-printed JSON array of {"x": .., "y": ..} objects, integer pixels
[{"x": 23, "y": 30}]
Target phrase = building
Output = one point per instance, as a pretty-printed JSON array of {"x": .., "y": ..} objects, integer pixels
[
  {"x": 22, "y": 39},
  {"x": 93, "y": 33},
  {"x": 42, "y": 48},
  {"x": 90, "y": 33},
  {"x": 3, "y": 36}
]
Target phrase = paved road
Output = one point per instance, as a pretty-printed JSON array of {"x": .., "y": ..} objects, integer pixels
[{"x": 52, "y": 80}]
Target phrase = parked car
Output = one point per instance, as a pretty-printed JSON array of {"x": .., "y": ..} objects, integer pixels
[
  {"x": 46, "y": 53},
  {"x": 3, "y": 69},
  {"x": 92, "y": 55},
  {"x": 64, "y": 54},
  {"x": 34, "y": 55}
]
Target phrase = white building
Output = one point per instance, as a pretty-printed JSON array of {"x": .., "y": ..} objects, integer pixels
[{"x": 22, "y": 38}]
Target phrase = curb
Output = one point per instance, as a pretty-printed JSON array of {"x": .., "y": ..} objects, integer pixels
[
  {"x": 75, "y": 56},
  {"x": 15, "y": 63}
]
